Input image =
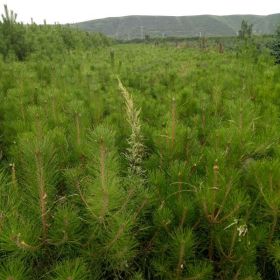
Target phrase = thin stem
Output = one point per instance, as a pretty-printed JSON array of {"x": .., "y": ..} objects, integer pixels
[
  {"x": 102, "y": 159},
  {"x": 173, "y": 129},
  {"x": 42, "y": 193},
  {"x": 78, "y": 130}
]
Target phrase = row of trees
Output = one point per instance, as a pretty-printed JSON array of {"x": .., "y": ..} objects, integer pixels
[
  {"x": 19, "y": 40},
  {"x": 246, "y": 32},
  {"x": 275, "y": 46}
]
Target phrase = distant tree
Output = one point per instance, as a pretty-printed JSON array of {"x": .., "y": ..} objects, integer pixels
[
  {"x": 275, "y": 46},
  {"x": 203, "y": 43},
  {"x": 246, "y": 30},
  {"x": 12, "y": 35},
  {"x": 9, "y": 17},
  {"x": 147, "y": 37},
  {"x": 19, "y": 40},
  {"x": 278, "y": 31}
]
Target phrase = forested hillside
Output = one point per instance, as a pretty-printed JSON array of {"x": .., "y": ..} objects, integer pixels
[
  {"x": 137, "y": 161},
  {"x": 132, "y": 27}
]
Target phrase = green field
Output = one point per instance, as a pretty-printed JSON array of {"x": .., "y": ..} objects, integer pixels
[{"x": 137, "y": 161}]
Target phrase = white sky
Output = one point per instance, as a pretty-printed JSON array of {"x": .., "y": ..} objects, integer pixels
[{"x": 69, "y": 11}]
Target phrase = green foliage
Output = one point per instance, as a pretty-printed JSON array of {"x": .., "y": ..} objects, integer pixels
[
  {"x": 19, "y": 40},
  {"x": 157, "y": 27},
  {"x": 12, "y": 36},
  {"x": 14, "y": 269},
  {"x": 275, "y": 46},
  {"x": 245, "y": 30},
  {"x": 138, "y": 161},
  {"x": 70, "y": 269}
]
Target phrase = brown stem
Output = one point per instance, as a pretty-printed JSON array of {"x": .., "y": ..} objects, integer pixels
[
  {"x": 270, "y": 182},
  {"x": 14, "y": 179},
  {"x": 103, "y": 179},
  {"x": 84, "y": 200},
  {"x": 211, "y": 245},
  {"x": 233, "y": 240},
  {"x": 184, "y": 215},
  {"x": 229, "y": 214},
  {"x": 180, "y": 186},
  {"x": 22, "y": 244},
  {"x": 77, "y": 120},
  {"x": 42, "y": 193},
  {"x": 180, "y": 261},
  {"x": 122, "y": 227},
  {"x": 224, "y": 201},
  {"x": 21, "y": 103},
  {"x": 129, "y": 195},
  {"x": 203, "y": 120},
  {"x": 273, "y": 227},
  {"x": 53, "y": 108},
  {"x": 237, "y": 273},
  {"x": 173, "y": 121},
  {"x": 215, "y": 186}
]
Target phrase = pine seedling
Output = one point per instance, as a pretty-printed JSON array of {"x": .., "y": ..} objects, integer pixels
[
  {"x": 181, "y": 192},
  {"x": 104, "y": 192},
  {"x": 9, "y": 17},
  {"x": 120, "y": 243},
  {"x": 173, "y": 125},
  {"x": 163, "y": 218},
  {"x": 112, "y": 58},
  {"x": 75, "y": 269},
  {"x": 219, "y": 199},
  {"x": 18, "y": 237},
  {"x": 137, "y": 276},
  {"x": 181, "y": 249},
  {"x": 38, "y": 173},
  {"x": 14, "y": 269},
  {"x": 200, "y": 270},
  {"x": 109, "y": 215},
  {"x": 66, "y": 229},
  {"x": 172, "y": 138},
  {"x": 274, "y": 251},
  {"x": 75, "y": 110},
  {"x": 9, "y": 194},
  {"x": 264, "y": 175},
  {"x": 173, "y": 253}
]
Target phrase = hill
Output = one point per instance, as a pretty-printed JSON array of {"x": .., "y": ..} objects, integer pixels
[{"x": 132, "y": 27}]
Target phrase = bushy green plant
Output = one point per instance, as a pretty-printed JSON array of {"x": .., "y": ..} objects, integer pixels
[
  {"x": 12, "y": 36},
  {"x": 19, "y": 40},
  {"x": 275, "y": 46},
  {"x": 137, "y": 161}
]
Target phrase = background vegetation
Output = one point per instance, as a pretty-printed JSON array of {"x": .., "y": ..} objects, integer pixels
[{"x": 136, "y": 27}]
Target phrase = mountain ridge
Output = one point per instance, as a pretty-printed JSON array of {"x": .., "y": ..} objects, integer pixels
[{"x": 137, "y": 26}]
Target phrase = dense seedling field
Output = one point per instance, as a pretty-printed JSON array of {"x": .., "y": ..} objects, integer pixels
[{"x": 139, "y": 162}]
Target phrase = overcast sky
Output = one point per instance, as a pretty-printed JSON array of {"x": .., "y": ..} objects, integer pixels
[{"x": 68, "y": 11}]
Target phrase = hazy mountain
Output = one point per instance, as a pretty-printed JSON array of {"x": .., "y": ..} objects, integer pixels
[{"x": 131, "y": 27}]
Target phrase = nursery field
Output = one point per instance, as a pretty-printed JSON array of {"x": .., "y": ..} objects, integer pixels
[{"x": 140, "y": 161}]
